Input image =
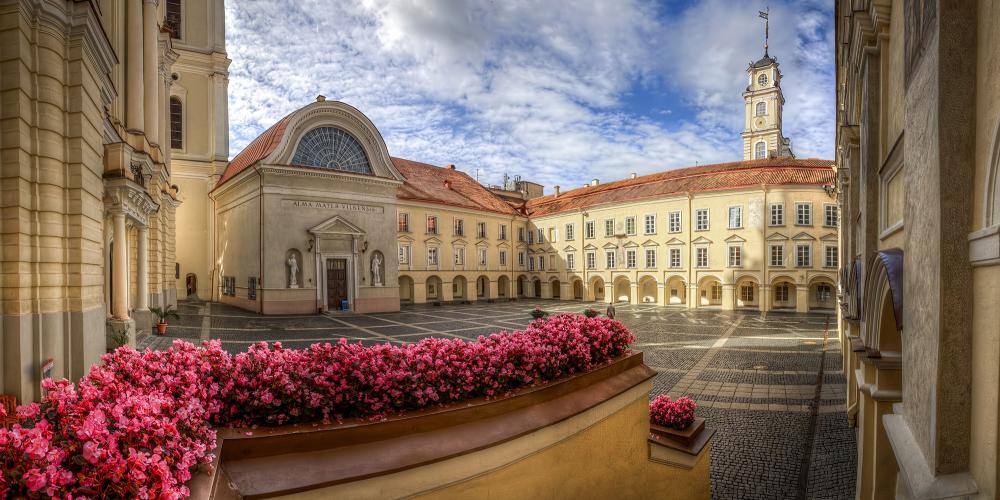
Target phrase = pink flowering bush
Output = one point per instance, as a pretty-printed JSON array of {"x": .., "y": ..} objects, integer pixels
[
  {"x": 676, "y": 414},
  {"x": 138, "y": 424}
]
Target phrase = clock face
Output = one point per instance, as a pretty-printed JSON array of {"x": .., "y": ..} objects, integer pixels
[
  {"x": 762, "y": 80},
  {"x": 760, "y": 123}
]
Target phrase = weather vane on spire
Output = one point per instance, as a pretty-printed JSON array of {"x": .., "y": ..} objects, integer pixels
[{"x": 763, "y": 14}]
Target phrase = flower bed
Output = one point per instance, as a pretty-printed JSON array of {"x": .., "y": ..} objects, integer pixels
[{"x": 136, "y": 425}]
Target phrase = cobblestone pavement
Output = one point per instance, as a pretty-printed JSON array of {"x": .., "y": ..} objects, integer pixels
[{"x": 772, "y": 385}]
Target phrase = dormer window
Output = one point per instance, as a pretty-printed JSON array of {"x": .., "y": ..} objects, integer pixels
[{"x": 762, "y": 80}]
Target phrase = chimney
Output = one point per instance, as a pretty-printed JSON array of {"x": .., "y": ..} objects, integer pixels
[
  {"x": 447, "y": 184},
  {"x": 451, "y": 166},
  {"x": 632, "y": 176},
  {"x": 321, "y": 98},
  {"x": 595, "y": 182},
  {"x": 557, "y": 191}
]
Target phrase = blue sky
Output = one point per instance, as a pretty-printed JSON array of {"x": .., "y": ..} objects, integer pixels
[{"x": 557, "y": 92}]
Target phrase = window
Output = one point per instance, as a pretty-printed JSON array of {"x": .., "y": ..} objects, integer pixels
[
  {"x": 735, "y": 217},
  {"x": 777, "y": 214},
  {"x": 403, "y": 222},
  {"x": 701, "y": 219},
  {"x": 432, "y": 224},
  {"x": 609, "y": 259},
  {"x": 541, "y": 235},
  {"x": 674, "y": 222},
  {"x": 630, "y": 226},
  {"x": 762, "y": 80},
  {"x": 802, "y": 256},
  {"x": 482, "y": 257},
  {"x": 803, "y": 214},
  {"x": 823, "y": 292},
  {"x": 531, "y": 263},
  {"x": 701, "y": 257},
  {"x": 830, "y": 259},
  {"x": 777, "y": 255},
  {"x": 570, "y": 261},
  {"x": 531, "y": 237},
  {"x": 781, "y": 293},
  {"x": 830, "y": 218},
  {"x": 459, "y": 257},
  {"x": 630, "y": 259},
  {"x": 650, "y": 224},
  {"x": 746, "y": 293},
  {"x": 480, "y": 229},
  {"x": 716, "y": 291},
  {"x": 331, "y": 148},
  {"x": 675, "y": 257},
  {"x": 609, "y": 228},
  {"x": 432, "y": 256},
  {"x": 503, "y": 232},
  {"x": 735, "y": 256},
  {"x": 650, "y": 257},
  {"x": 459, "y": 227},
  {"x": 176, "y": 123},
  {"x": 252, "y": 288},
  {"x": 591, "y": 260},
  {"x": 589, "y": 231},
  {"x": 570, "y": 232},
  {"x": 404, "y": 254},
  {"x": 553, "y": 234},
  {"x": 172, "y": 19},
  {"x": 760, "y": 150},
  {"x": 761, "y": 108},
  {"x": 520, "y": 259},
  {"x": 503, "y": 258},
  {"x": 541, "y": 262},
  {"x": 520, "y": 234}
]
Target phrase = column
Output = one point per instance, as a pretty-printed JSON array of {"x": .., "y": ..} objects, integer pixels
[
  {"x": 692, "y": 296},
  {"x": 150, "y": 90},
  {"x": 134, "y": 112},
  {"x": 119, "y": 263},
  {"x": 728, "y": 296},
  {"x": 634, "y": 297},
  {"x": 142, "y": 280},
  {"x": 764, "y": 301},
  {"x": 802, "y": 298}
]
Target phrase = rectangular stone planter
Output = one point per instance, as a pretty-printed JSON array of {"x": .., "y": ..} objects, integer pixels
[{"x": 682, "y": 448}]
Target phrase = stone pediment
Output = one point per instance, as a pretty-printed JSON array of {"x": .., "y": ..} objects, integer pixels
[
  {"x": 829, "y": 237},
  {"x": 777, "y": 237},
  {"x": 610, "y": 246},
  {"x": 482, "y": 244},
  {"x": 337, "y": 225},
  {"x": 459, "y": 242},
  {"x": 569, "y": 249},
  {"x": 803, "y": 236},
  {"x": 405, "y": 239},
  {"x": 432, "y": 241},
  {"x": 631, "y": 244},
  {"x": 503, "y": 245},
  {"x": 650, "y": 243},
  {"x": 590, "y": 246},
  {"x": 701, "y": 240},
  {"x": 675, "y": 241},
  {"x": 735, "y": 239}
]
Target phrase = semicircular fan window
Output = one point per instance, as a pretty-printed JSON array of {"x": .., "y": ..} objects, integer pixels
[{"x": 331, "y": 147}]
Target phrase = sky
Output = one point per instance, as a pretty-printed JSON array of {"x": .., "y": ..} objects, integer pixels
[{"x": 558, "y": 92}]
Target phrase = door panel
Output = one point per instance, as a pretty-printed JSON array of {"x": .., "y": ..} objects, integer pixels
[{"x": 336, "y": 282}]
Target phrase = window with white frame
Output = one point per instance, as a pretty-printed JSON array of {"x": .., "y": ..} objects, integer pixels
[
  {"x": 432, "y": 256},
  {"x": 503, "y": 258},
  {"x": 570, "y": 261},
  {"x": 591, "y": 260},
  {"x": 480, "y": 229},
  {"x": 760, "y": 150},
  {"x": 830, "y": 218},
  {"x": 630, "y": 225},
  {"x": 459, "y": 256},
  {"x": 746, "y": 293},
  {"x": 483, "y": 256},
  {"x": 823, "y": 292},
  {"x": 502, "y": 236},
  {"x": 803, "y": 214},
  {"x": 553, "y": 234},
  {"x": 520, "y": 259},
  {"x": 761, "y": 109},
  {"x": 531, "y": 263},
  {"x": 701, "y": 219},
  {"x": 716, "y": 291},
  {"x": 589, "y": 231},
  {"x": 735, "y": 217},
  {"x": 432, "y": 224},
  {"x": 781, "y": 292},
  {"x": 541, "y": 235},
  {"x": 630, "y": 259},
  {"x": 735, "y": 256},
  {"x": 570, "y": 232},
  {"x": 803, "y": 256},
  {"x": 650, "y": 258},
  {"x": 520, "y": 234},
  {"x": 649, "y": 224},
  {"x": 609, "y": 259},
  {"x": 541, "y": 262},
  {"x": 701, "y": 257},
  {"x": 403, "y": 222},
  {"x": 404, "y": 254},
  {"x": 777, "y": 255},
  {"x": 777, "y": 214},
  {"x": 609, "y": 228},
  {"x": 675, "y": 257},
  {"x": 531, "y": 237},
  {"x": 459, "y": 227},
  {"x": 831, "y": 256},
  {"x": 674, "y": 222}
]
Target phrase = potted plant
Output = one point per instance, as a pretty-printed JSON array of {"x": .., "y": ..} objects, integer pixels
[
  {"x": 674, "y": 419},
  {"x": 119, "y": 337},
  {"x": 162, "y": 315},
  {"x": 590, "y": 312},
  {"x": 538, "y": 313}
]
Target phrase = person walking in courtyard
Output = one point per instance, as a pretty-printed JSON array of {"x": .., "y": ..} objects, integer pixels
[{"x": 611, "y": 311}]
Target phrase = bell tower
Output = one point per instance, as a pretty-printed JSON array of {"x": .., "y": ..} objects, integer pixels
[{"x": 763, "y": 103}]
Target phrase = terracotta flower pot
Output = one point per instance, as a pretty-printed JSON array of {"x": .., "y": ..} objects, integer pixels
[{"x": 161, "y": 328}]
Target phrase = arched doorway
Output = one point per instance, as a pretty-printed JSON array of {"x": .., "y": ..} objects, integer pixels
[
  {"x": 623, "y": 290},
  {"x": 556, "y": 288},
  {"x": 676, "y": 291},
  {"x": 459, "y": 288},
  {"x": 648, "y": 293},
  {"x": 783, "y": 293},
  {"x": 822, "y": 295},
  {"x": 709, "y": 292},
  {"x": 578, "y": 289},
  {"x": 433, "y": 289},
  {"x": 482, "y": 288},
  {"x": 597, "y": 289},
  {"x": 503, "y": 287},
  {"x": 405, "y": 289},
  {"x": 191, "y": 285},
  {"x": 747, "y": 294},
  {"x": 537, "y": 288}
]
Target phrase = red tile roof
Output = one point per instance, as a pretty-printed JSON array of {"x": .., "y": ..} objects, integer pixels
[
  {"x": 446, "y": 186},
  {"x": 718, "y": 177},
  {"x": 257, "y": 150}
]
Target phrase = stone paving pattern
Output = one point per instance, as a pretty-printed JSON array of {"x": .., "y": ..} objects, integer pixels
[{"x": 772, "y": 385}]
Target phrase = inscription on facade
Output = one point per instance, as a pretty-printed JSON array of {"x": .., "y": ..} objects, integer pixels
[{"x": 332, "y": 205}]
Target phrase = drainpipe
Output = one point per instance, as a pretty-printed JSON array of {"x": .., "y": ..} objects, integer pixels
[
  {"x": 691, "y": 251},
  {"x": 260, "y": 269}
]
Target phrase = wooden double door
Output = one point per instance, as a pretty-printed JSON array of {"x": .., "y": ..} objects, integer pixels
[{"x": 336, "y": 283}]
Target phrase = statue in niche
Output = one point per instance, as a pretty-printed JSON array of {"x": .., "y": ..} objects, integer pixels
[
  {"x": 293, "y": 271},
  {"x": 377, "y": 269}
]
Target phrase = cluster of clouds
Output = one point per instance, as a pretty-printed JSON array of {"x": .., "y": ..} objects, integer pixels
[{"x": 557, "y": 92}]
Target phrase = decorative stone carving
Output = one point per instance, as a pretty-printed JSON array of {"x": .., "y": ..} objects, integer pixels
[{"x": 293, "y": 270}]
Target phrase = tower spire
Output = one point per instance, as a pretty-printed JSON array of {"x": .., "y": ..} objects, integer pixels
[{"x": 763, "y": 14}]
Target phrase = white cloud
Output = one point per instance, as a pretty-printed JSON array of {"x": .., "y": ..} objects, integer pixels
[{"x": 538, "y": 88}]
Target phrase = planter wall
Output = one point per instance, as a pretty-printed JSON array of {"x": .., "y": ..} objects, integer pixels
[{"x": 582, "y": 436}]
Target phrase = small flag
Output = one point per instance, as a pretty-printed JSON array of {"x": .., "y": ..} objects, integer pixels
[{"x": 762, "y": 14}]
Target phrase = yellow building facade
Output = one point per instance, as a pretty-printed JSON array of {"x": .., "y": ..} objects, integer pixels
[{"x": 918, "y": 109}]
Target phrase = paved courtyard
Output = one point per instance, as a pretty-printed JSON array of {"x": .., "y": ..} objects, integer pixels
[{"x": 773, "y": 386}]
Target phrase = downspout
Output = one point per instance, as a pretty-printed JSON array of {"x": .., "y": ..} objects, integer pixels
[
  {"x": 765, "y": 255},
  {"x": 691, "y": 251},
  {"x": 260, "y": 220}
]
